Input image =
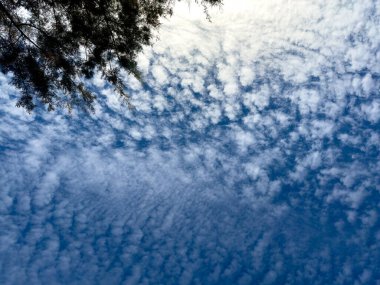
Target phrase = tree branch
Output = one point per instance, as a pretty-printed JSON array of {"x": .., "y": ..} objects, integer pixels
[{"x": 16, "y": 25}]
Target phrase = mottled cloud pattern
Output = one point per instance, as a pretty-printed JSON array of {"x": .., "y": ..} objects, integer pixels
[{"x": 250, "y": 156}]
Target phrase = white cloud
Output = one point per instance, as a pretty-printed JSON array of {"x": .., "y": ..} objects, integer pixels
[
  {"x": 160, "y": 75},
  {"x": 368, "y": 84},
  {"x": 372, "y": 111},
  {"x": 247, "y": 76}
]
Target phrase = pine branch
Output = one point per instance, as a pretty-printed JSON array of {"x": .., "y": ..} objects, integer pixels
[{"x": 16, "y": 25}]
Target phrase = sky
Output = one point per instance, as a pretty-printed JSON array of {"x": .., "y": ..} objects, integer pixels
[{"x": 250, "y": 156}]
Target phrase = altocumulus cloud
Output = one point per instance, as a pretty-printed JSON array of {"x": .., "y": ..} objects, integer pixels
[{"x": 251, "y": 156}]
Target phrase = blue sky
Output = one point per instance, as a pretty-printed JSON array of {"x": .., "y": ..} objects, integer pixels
[{"x": 250, "y": 156}]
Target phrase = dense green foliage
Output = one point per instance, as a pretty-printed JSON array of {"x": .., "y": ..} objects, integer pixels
[{"x": 51, "y": 46}]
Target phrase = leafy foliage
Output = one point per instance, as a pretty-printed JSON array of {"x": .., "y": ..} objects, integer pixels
[{"x": 51, "y": 46}]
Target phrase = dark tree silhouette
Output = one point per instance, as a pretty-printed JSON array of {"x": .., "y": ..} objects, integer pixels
[{"x": 52, "y": 46}]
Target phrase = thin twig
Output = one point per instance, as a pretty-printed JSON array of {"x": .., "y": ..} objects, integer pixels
[{"x": 16, "y": 25}]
